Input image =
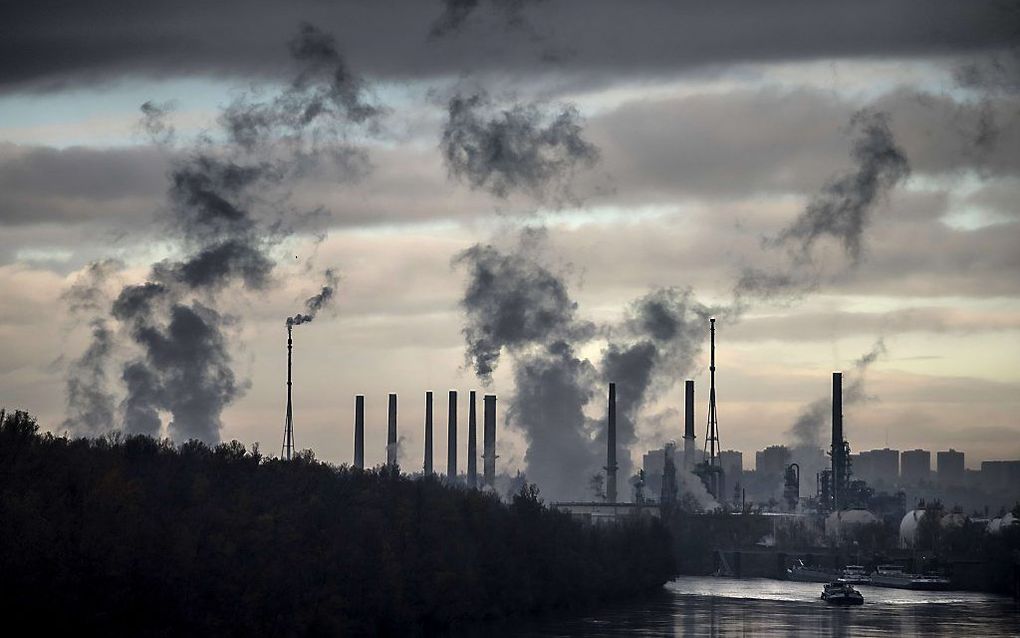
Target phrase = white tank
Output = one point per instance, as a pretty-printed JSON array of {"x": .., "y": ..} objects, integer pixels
[{"x": 908, "y": 528}]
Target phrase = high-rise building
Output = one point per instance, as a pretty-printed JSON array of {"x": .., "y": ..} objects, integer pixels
[
  {"x": 653, "y": 463},
  {"x": 915, "y": 467},
  {"x": 879, "y": 468},
  {"x": 732, "y": 463},
  {"x": 772, "y": 461},
  {"x": 950, "y": 467},
  {"x": 1000, "y": 475}
]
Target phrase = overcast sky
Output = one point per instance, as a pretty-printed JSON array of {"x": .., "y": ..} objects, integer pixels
[{"x": 679, "y": 145}]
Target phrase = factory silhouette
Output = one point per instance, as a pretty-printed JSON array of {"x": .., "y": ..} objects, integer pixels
[{"x": 801, "y": 481}]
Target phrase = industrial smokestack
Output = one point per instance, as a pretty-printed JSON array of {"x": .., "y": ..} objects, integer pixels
[
  {"x": 472, "y": 452},
  {"x": 451, "y": 441},
  {"x": 287, "y": 450},
  {"x": 838, "y": 451},
  {"x": 391, "y": 433},
  {"x": 428, "y": 434},
  {"x": 611, "y": 447},
  {"x": 689, "y": 444},
  {"x": 359, "y": 431},
  {"x": 489, "y": 441}
]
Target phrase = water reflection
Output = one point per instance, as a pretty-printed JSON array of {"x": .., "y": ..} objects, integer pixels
[{"x": 726, "y": 607}]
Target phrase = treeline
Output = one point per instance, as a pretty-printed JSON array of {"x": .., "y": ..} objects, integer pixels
[{"x": 141, "y": 537}]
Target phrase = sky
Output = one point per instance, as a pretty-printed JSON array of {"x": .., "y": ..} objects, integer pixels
[{"x": 530, "y": 198}]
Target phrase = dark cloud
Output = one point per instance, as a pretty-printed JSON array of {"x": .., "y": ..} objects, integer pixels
[
  {"x": 85, "y": 42},
  {"x": 457, "y": 12},
  {"x": 526, "y": 147}
]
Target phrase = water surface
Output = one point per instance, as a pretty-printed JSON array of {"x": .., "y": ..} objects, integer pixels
[{"x": 692, "y": 606}]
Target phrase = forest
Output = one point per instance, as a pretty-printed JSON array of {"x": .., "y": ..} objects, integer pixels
[{"x": 132, "y": 535}]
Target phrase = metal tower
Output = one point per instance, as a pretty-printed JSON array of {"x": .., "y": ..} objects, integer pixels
[
  {"x": 288, "y": 427},
  {"x": 713, "y": 465}
]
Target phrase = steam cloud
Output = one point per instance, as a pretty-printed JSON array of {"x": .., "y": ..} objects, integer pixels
[
  {"x": 807, "y": 429},
  {"x": 515, "y": 301},
  {"x": 90, "y": 403},
  {"x": 841, "y": 210},
  {"x": 227, "y": 211},
  {"x": 524, "y": 148}
]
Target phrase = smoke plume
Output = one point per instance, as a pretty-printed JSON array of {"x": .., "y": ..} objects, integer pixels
[
  {"x": 809, "y": 425},
  {"x": 317, "y": 302},
  {"x": 228, "y": 209},
  {"x": 526, "y": 147},
  {"x": 659, "y": 340},
  {"x": 515, "y": 301},
  {"x": 841, "y": 210},
  {"x": 90, "y": 403}
]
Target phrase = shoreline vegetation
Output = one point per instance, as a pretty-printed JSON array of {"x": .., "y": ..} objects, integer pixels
[{"x": 131, "y": 535}]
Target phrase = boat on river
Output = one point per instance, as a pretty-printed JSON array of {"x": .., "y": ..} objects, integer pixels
[
  {"x": 894, "y": 576},
  {"x": 855, "y": 575},
  {"x": 841, "y": 594},
  {"x": 805, "y": 574}
]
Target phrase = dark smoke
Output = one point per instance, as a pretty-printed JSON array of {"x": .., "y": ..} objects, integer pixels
[
  {"x": 155, "y": 121},
  {"x": 317, "y": 302},
  {"x": 89, "y": 402},
  {"x": 228, "y": 210},
  {"x": 516, "y": 302},
  {"x": 659, "y": 341},
  {"x": 807, "y": 429},
  {"x": 457, "y": 12},
  {"x": 523, "y": 148},
  {"x": 513, "y": 302},
  {"x": 841, "y": 210}
]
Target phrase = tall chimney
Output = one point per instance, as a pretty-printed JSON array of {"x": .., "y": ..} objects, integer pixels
[
  {"x": 472, "y": 452},
  {"x": 359, "y": 431},
  {"x": 428, "y": 434},
  {"x": 838, "y": 451},
  {"x": 451, "y": 441},
  {"x": 489, "y": 441},
  {"x": 611, "y": 447},
  {"x": 689, "y": 445},
  {"x": 391, "y": 433}
]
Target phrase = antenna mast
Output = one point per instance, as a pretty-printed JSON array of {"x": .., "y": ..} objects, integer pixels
[{"x": 712, "y": 434}]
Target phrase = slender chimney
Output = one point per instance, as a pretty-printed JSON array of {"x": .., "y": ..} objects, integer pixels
[
  {"x": 391, "y": 433},
  {"x": 611, "y": 447},
  {"x": 489, "y": 441},
  {"x": 689, "y": 445},
  {"x": 472, "y": 451},
  {"x": 428, "y": 434},
  {"x": 451, "y": 441},
  {"x": 359, "y": 431},
  {"x": 838, "y": 451}
]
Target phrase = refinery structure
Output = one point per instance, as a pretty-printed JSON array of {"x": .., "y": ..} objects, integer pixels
[{"x": 831, "y": 490}]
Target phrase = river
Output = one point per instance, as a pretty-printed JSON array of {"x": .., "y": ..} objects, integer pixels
[{"x": 693, "y": 606}]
